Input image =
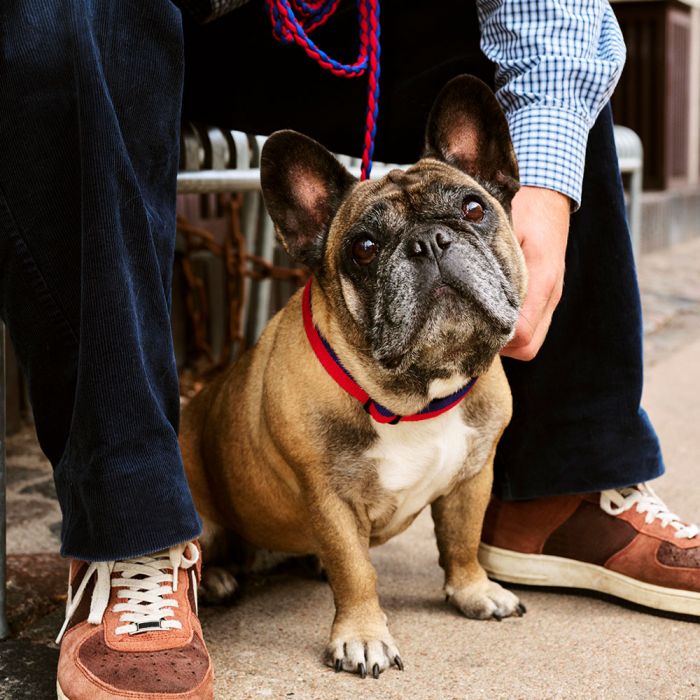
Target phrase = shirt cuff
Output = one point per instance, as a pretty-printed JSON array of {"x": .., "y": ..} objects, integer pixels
[{"x": 550, "y": 145}]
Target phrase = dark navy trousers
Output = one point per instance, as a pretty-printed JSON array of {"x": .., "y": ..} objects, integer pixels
[
  {"x": 90, "y": 94},
  {"x": 90, "y": 102}
]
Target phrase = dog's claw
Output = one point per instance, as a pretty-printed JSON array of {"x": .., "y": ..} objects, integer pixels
[
  {"x": 522, "y": 609},
  {"x": 398, "y": 662},
  {"x": 497, "y": 616},
  {"x": 375, "y": 671},
  {"x": 363, "y": 670},
  {"x": 338, "y": 665}
]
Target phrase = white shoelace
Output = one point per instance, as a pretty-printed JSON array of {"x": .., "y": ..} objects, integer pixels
[
  {"x": 142, "y": 584},
  {"x": 616, "y": 501}
]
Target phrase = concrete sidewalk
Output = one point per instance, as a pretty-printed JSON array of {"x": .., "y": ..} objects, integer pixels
[{"x": 567, "y": 646}]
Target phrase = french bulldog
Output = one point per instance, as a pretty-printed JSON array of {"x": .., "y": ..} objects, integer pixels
[{"x": 378, "y": 389}]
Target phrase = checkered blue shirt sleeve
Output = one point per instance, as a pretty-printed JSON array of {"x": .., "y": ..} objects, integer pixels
[{"x": 557, "y": 64}]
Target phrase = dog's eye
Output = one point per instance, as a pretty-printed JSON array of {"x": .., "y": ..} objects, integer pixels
[
  {"x": 364, "y": 250},
  {"x": 472, "y": 209}
]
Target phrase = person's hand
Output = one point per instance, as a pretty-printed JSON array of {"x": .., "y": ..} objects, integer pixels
[{"x": 541, "y": 225}]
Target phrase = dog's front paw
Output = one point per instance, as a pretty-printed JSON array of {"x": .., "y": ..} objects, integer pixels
[
  {"x": 485, "y": 599},
  {"x": 362, "y": 648},
  {"x": 218, "y": 586}
]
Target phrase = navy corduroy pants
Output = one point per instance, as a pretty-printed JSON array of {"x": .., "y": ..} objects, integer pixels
[
  {"x": 90, "y": 94},
  {"x": 90, "y": 102}
]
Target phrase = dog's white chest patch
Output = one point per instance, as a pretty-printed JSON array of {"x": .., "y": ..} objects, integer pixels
[{"x": 417, "y": 461}]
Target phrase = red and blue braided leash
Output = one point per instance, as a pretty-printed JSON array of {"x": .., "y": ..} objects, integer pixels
[
  {"x": 294, "y": 20},
  {"x": 334, "y": 367}
]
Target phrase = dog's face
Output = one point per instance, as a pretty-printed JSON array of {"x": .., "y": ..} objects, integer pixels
[{"x": 422, "y": 264}]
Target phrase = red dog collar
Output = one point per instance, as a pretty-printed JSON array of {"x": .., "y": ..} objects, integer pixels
[{"x": 335, "y": 368}]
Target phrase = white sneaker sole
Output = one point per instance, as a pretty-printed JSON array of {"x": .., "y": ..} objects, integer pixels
[
  {"x": 546, "y": 570},
  {"x": 59, "y": 692}
]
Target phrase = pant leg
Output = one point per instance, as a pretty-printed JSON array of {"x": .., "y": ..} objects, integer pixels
[
  {"x": 577, "y": 424},
  {"x": 90, "y": 96}
]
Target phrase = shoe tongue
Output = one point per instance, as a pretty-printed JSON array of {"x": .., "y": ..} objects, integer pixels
[
  {"x": 163, "y": 554},
  {"x": 628, "y": 491},
  {"x": 624, "y": 492}
]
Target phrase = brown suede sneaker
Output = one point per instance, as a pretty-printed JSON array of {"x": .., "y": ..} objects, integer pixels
[
  {"x": 624, "y": 542},
  {"x": 131, "y": 630}
]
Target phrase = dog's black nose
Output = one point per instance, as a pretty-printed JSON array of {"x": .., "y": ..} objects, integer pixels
[{"x": 428, "y": 243}]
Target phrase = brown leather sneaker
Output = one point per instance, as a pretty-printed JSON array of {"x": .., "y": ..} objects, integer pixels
[
  {"x": 131, "y": 630},
  {"x": 624, "y": 542}
]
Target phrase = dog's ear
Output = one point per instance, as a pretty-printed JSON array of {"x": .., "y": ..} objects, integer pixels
[
  {"x": 303, "y": 185},
  {"x": 467, "y": 129}
]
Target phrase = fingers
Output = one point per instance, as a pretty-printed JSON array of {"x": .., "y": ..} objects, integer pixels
[{"x": 529, "y": 337}]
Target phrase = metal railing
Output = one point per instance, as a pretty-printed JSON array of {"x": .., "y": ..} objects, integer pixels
[
  {"x": 216, "y": 161},
  {"x": 630, "y": 157}
]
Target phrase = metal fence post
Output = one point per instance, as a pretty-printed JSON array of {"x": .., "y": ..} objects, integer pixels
[
  {"x": 630, "y": 155},
  {"x": 4, "y": 629},
  {"x": 635, "y": 215}
]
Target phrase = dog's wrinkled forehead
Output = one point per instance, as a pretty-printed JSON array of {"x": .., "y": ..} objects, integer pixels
[{"x": 421, "y": 191}]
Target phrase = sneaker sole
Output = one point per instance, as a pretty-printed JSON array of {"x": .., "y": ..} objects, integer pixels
[
  {"x": 559, "y": 572},
  {"x": 59, "y": 692}
]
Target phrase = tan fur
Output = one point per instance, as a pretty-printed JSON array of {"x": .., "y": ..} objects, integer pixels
[
  {"x": 277, "y": 454},
  {"x": 256, "y": 467}
]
